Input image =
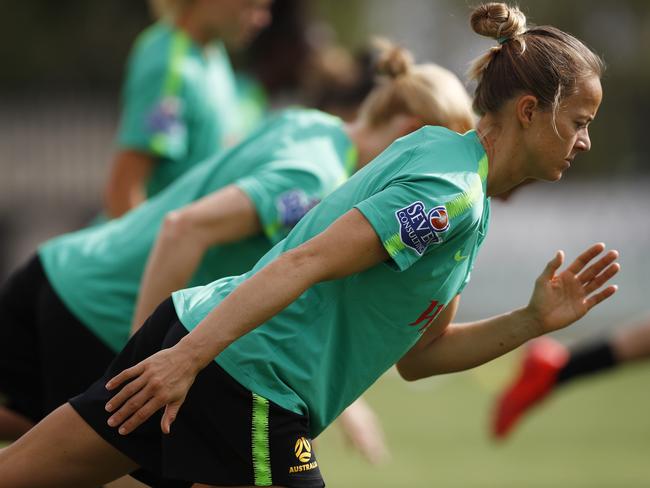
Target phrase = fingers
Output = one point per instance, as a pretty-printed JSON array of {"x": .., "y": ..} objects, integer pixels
[
  {"x": 132, "y": 405},
  {"x": 169, "y": 416},
  {"x": 594, "y": 270},
  {"x": 584, "y": 259},
  {"x": 602, "y": 278},
  {"x": 125, "y": 393},
  {"x": 594, "y": 300},
  {"x": 141, "y": 415},
  {"x": 552, "y": 266},
  {"x": 125, "y": 376}
]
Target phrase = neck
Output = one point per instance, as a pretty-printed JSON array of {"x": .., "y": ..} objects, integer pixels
[
  {"x": 505, "y": 160},
  {"x": 190, "y": 23},
  {"x": 369, "y": 142}
]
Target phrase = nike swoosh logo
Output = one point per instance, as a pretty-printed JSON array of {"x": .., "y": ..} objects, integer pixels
[{"x": 459, "y": 257}]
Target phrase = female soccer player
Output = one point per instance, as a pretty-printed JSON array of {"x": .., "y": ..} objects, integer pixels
[
  {"x": 179, "y": 98},
  {"x": 73, "y": 303},
  {"x": 548, "y": 365},
  {"x": 249, "y": 368}
]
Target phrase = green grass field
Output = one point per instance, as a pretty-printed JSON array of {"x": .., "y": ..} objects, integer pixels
[{"x": 595, "y": 434}]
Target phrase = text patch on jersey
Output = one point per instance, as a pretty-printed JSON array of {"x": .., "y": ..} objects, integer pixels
[
  {"x": 419, "y": 229},
  {"x": 293, "y": 205},
  {"x": 166, "y": 116}
]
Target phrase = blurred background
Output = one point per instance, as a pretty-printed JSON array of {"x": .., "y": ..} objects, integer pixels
[{"x": 61, "y": 66}]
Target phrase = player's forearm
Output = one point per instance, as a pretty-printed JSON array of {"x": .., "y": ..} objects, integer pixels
[
  {"x": 120, "y": 198},
  {"x": 252, "y": 303},
  {"x": 467, "y": 345},
  {"x": 126, "y": 188},
  {"x": 170, "y": 267}
]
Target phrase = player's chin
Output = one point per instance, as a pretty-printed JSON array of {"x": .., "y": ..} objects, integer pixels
[
  {"x": 555, "y": 175},
  {"x": 548, "y": 177}
]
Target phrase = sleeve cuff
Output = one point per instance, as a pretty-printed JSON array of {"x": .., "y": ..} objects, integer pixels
[{"x": 392, "y": 243}]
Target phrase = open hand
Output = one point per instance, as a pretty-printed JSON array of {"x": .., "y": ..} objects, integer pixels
[
  {"x": 561, "y": 298},
  {"x": 161, "y": 380},
  {"x": 363, "y": 431}
]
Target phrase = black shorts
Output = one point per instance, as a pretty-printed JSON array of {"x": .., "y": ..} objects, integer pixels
[
  {"x": 46, "y": 354},
  {"x": 223, "y": 434}
]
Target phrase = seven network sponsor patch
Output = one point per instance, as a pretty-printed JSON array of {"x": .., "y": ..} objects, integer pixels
[{"x": 419, "y": 229}]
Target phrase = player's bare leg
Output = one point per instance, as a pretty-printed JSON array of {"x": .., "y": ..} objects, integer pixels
[
  {"x": 12, "y": 424},
  {"x": 125, "y": 482},
  {"x": 632, "y": 343},
  {"x": 61, "y": 451}
]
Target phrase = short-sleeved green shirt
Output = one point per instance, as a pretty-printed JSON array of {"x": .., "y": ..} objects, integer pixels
[
  {"x": 425, "y": 198},
  {"x": 179, "y": 102},
  {"x": 253, "y": 102},
  {"x": 285, "y": 167}
]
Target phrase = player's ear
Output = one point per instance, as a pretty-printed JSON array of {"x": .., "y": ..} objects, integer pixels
[{"x": 525, "y": 108}]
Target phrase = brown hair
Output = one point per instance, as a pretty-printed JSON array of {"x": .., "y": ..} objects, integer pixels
[
  {"x": 543, "y": 61},
  {"x": 427, "y": 91}
]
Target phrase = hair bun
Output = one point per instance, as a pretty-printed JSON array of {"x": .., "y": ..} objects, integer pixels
[
  {"x": 498, "y": 20},
  {"x": 392, "y": 60}
]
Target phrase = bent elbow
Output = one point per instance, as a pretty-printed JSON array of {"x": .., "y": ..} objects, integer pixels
[
  {"x": 175, "y": 226},
  {"x": 407, "y": 374}
]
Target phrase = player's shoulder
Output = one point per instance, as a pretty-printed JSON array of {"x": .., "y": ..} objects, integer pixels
[
  {"x": 158, "y": 49},
  {"x": 441, "y": 153},
  {"x": 297, "y": 126},
  {"x": 444, "y": 162},
  {"x": 300, "y": 118},
  {"x": 445, "y": 146},
  {"x": 152, "y": 40}
]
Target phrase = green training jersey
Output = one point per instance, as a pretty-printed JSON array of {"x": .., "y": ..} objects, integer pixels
[
  {"x": 425, "y": 198},
  {"x": 253, "y": 102},
  {"x": 285, "y": 168},
  {"x": 179, "y": 102}
]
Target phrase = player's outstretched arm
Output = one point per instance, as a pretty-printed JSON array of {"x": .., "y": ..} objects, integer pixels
[
  {"x": 227, "y": 215},
  {"x": 350, "y": 245},
  {"x": 558, "y": 300},
  {"x": 363, "y": 431}
]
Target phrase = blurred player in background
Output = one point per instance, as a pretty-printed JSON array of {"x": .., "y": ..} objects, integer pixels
[
  {"x": 179, "y": 98},
  {"x": 250, "y": 367},
  {"x": 297, "y": 60},
  {"x": 548, "y": 365}
]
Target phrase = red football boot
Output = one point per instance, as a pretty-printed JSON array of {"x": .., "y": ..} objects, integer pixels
[{"x": 543, "y": 360}]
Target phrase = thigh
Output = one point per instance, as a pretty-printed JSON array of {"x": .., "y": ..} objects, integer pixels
[
  {"x": 20, "y": 378},
  {"x": 68, "y": 451},
  {"x": 144, "y": 444},
  {"x": 70, "y": 355},
  {"x": 238, "y": 438}
]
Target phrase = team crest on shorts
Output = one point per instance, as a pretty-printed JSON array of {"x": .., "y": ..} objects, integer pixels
[
  {"x": 304, "y": 455},
  {"x": 419, "y": 229},
  {"x": 293, "y": 205}
]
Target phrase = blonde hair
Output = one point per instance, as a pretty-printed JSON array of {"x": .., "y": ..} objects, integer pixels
[
  {"x": 543, "y": 61},
  {"x": 168, "y": 9},
  {"x": 427, "y": 91}
]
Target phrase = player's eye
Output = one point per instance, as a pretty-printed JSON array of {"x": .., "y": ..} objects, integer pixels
[{"x": 581, "y": 124}]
